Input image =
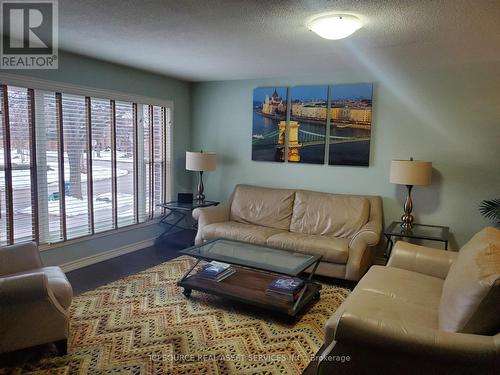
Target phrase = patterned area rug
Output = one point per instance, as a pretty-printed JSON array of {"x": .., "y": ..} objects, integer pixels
[{"x": 143, "y": 324}]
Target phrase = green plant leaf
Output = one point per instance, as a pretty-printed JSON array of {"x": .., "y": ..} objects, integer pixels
[{"x": 490, "y": 209}]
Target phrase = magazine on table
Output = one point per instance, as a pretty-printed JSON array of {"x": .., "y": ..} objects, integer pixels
[
  {"x": 286, "y": 288},
  {"x": 215, "y": 271},
  {"x": 214, "y": 268},
  {"x": 287, "y": 297},
  {"x": 286, "y": 284}
]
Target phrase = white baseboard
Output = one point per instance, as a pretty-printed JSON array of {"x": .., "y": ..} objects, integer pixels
[{"x": 105, "y": 255}]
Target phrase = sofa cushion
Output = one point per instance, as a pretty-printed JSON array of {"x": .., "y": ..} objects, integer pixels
[
  {"x": 262, "y": 206},
  {"x": 392, "y": 294},
  {"x": 471, "y": 290},
  {"x": 333, "y": 250},
  {"x": 326, "y": 214},
  {"x": 233, "y": 230},
  {"x": 57, "y": 283}
]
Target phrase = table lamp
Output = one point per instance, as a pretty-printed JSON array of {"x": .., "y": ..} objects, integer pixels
[
  {"x": 200, "y": 162},
  {"x": 410, "y": 172}
]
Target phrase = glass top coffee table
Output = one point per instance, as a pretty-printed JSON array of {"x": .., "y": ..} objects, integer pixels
[{"x": 256, "y": 267}]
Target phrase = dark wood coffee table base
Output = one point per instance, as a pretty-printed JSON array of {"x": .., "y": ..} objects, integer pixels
[{"x": 249, "y": 286}]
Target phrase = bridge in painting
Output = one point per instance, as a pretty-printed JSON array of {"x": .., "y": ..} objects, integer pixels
[{"x": 306, "y": 138}]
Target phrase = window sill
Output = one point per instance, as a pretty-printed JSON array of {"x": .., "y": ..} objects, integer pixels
[{"x": 89, "y": 237}]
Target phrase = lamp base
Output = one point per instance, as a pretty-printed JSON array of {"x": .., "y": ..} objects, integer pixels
[
  {"x": 407, "y": 218},
  {"x": 406, "y": 222},
  {"x": 200, "y": 197}
]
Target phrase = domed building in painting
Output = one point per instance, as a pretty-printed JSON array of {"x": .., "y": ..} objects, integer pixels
[{"x": 273, "y": 105}]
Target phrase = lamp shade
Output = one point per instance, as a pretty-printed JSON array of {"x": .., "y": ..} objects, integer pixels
[
  {"x": 200, "y": 161},
  {"x": 411, "y": 172}
]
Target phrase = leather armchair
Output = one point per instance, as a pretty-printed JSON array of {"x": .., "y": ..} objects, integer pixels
[
  {"x": 34, "y": 300},
  {"x": 390, "y": 322}
]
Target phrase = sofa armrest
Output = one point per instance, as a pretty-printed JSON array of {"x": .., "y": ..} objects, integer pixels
[
  {"x": 370, "y": 233},
  {"x": 19, "y": 258},
  {"x": 28, "y": 288},
  {"x": 421, "y": 259},
  {"x": 361, "y": 249},
  {"x": 29, "y": 312},
  {"x": 209, "y": 215},
  {"x": 23, "y": 288},
  {"x": 417, "y": 340}
]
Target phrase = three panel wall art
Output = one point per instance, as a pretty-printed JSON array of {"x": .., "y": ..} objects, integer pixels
[{"x": 325, "y": 124}]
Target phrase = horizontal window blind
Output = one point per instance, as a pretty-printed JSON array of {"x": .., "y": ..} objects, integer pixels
[
  {"x": 125, "y": 144},
  {"x": 101, "y": 164},
  {"x": 74, "y": 147},
  {"x": 17, "y": 180},
  {"x": 74, "y": 165},
  {"x": 50, "y": 211},
  {"x": 147, "y": 165}
]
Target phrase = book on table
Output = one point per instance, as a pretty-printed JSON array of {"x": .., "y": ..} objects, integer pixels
[
  {"x": 286, "y": 288},
  {"x": 215, "y": 271}
]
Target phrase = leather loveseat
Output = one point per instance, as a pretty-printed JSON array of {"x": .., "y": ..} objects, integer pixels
[
  {"x": 343, "y": 229},
  {"x": 428, "y": 311}
]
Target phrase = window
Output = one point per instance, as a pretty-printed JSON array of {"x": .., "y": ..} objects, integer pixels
[
  {"x": 74, "y": 165},
  {"x": 102, "y": 184},
  {"x": 17, "y": 188},
  {"x": 125, "y": 145}
]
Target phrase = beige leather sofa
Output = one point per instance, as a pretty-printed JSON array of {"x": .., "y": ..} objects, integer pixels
[
  {"x": 343, "y": 229},
  {"x": 34, "y": 300},
  {"x": 428, "y": 311}
]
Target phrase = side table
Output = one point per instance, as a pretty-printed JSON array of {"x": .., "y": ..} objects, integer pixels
[
  {"x": 179, "y": 211},
  {"x": 419, "y": 231}
]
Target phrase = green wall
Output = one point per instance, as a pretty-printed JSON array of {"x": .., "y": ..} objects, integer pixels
[
  {"x": 448, "y": 115},
  {"x": 79, "y": 70}
]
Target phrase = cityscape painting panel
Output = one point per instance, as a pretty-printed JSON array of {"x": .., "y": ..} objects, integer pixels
[
  {"x": 269, "y": 123},
  {"x": 307, "y": 131},
  {"x": 350, "y": 124}
]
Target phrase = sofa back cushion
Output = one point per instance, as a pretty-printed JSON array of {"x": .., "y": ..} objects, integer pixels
[
  {"x": 329, "y": 214},
  {"x": 262, "y": 206},
  {"x": 470, "y": 301}
]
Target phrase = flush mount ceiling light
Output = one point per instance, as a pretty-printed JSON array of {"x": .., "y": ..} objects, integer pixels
[{"x": 334, "y": 26}]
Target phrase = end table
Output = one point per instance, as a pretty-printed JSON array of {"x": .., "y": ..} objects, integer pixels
[
  {"x": 180, "y": 210},
  {"x": 419, "y": 231}
]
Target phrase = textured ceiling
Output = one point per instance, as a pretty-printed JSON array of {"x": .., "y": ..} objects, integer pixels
[{"x": 200, "y": 40}]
